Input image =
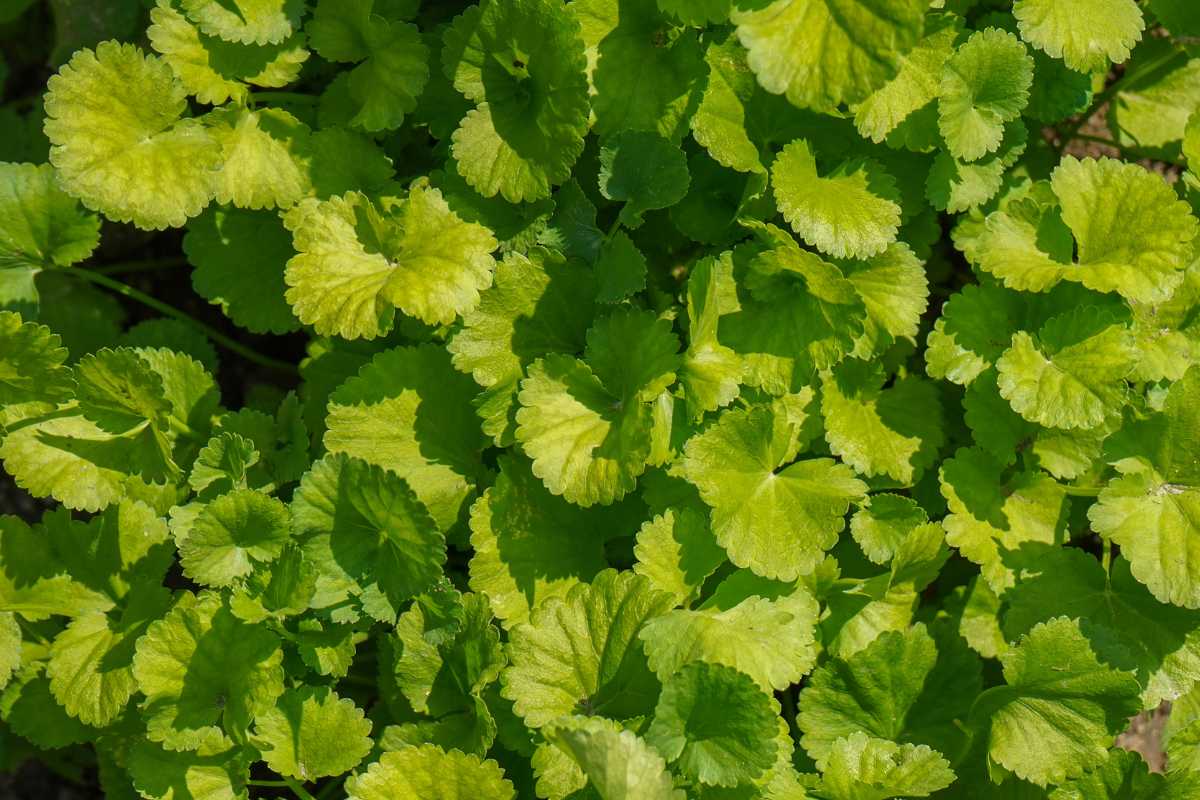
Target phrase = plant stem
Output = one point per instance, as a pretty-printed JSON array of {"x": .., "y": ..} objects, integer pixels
[
  {"x": 270, "y": 784},
  {"x": 161, "y": 307},
  {"x": 298, "y": 788},
  {"x": 140, "y": 266},
  {"x": 328, "y": 789},
  {"x": 1083, "y": 491},
  {"x": 285, "y": 97},
  {"x": 1106, "y": 557}
]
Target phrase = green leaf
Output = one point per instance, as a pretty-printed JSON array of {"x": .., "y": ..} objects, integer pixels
[
  {"x": 716, "y": 724},
  {"x": 862, "y": 768},
  {"x": 232, "y": 536},
  {"x": 531, "y": 545},
  {"x": 743, "y": 467},
  {"x": 795, "y": 314},
  {"x": 851, "y": 211},
  {"x": 916, "y": 84},
  {"x": 446, "y": 659},
  {"x": 1132, "y": 235},
  {"x": 984, "y": 85},
  {"x": 1059, "y": 708},
  {"x": 70, "y": 568},
  {"x": 1001, "y": 523},
  {"x": 647, "y": 74},
  {"x": 586, "y": 424},
  {"x": 239, "y": 259},
  {"x": 91, "y": 661},
  {"x": 215, "y": 70},
  {"x": 822, "y": 53},
  {"x": 410, "y": 412},
  {"x": 711, "y": 372},
  {"x": 394, "y": 68},
  {"x": 33, "y": 378},
  {"x": 619, "y": 765},
  {"x": 524, "y": 64},
  {"x": 311, "y": 732},
  {"x": 1087, "y": 34},
  {"x": 1072, "y": 375},
  {"x": 368, "y": 534},
  {"x": 620, "y": 268},
  {"x": 901, "y": 688},
  {"x": 1161, "y": 639},
  {"x": 1126, "y": 775},
  {"x": 10, "y": 647},
  {"x": 538, "y": 304},
  {"x": 580, "y": 653},
  {"x": 643, "y": 170},
  {"x": 359, "y": 260},
  {"x": 264, "y": 156},
  {"x": 720, "y": 122},
  {"x": 428, "y": 772},
  {"x": 205, "y": 674},
  {"x": 1158, "y": 92},
  {"x": 159, "y": 773},
  {"x": 40, "y": 224},
  {"x": 119, "y": 142},
  {"x": 676, "y": 551},
  {"x": 769, "y": 640},
  {"x": 246, "y": 21},
  {"x": 895, "y": 432},
  {"x": 881, "y": 527}
]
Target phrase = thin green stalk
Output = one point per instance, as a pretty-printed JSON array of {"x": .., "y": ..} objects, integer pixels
[
  {"x": 1106, "y": 557},
  {"x": 298, "y": 789},
  {"x": 285, "y": 97},
  {"x": 329, "y": 788},
  {"x": 268, "y": 784},
  {"x": 1083, "y": 491},
  {"x": 145, "y": 265},
  {"x": 170, "y": 311}
]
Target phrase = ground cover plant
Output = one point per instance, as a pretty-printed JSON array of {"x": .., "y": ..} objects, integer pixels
[{"x": 716, "y": 399}]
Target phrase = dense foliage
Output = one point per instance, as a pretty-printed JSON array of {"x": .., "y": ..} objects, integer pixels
[{"x": 648, "y": 399}]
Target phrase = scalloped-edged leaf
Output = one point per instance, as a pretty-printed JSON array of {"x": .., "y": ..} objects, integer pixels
[
  {"x": 428, "y": 772},
  {"x": 215, "y": 70},
  {"x": 769, "y": 640},
  {"x": 359, "y": 260},
  {"x": 984, "y": 85},
  {"x": 580, "y": 653},
  {"x": 1059, "y": 708},
  {"x": 852, "y": 210},
  {"x": 524, "y": 64},
  {"x": 1132, "y": 235},
  {"x": 743, "y": 467},
  {"x": 239, "y": 259},
  {"x": 40, "y": 224},
  {"x": 114, "y": 117},
  {"x": 409, "y": 411},
  {"x": 205, "y": 674},
  {"x": 618, "y": 764},
  {"x": 368, "y": 535},
  {"x": 531, "y": 545},
  {"x": 1073, "y": 374},
  {"x": 586, "y": 424},
  {"x": 716, "y": 724},
  {"x": 232, "y": 536},
  {"x": 1087, "y": 34},
  {"x": 311, "y": 733},
  {"x": 822, "y": 53}
]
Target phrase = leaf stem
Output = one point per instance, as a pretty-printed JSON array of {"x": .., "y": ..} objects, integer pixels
[
  {"x": 329, "y": 788},
  {"x": 285, "y": 97},
  {"x": 144, "y": 265},
  {"x": 1106, "y": 558},
  {"x": 298, "y": 788},
  {"x": 270, "y": 784},
  {"x": 1082, "y": 491},
  {"x": 161, "y": 307}
]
